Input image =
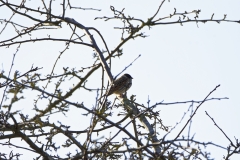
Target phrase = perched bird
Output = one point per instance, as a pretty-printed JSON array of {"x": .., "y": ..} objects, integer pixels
[{"x": 120, "y": 85}]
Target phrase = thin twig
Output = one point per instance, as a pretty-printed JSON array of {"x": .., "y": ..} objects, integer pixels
[
  {"x": 220, "y": 129},
  {"x": 190, "y": 118}
]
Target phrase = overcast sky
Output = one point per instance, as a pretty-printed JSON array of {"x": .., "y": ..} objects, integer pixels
[{"x": 177, "y": 63}]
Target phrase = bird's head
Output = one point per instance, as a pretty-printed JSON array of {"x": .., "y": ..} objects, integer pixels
[{"x": 128, "y": 76}]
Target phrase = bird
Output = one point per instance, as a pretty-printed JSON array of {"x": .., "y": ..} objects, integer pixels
[{"x": 120, "y": 85}]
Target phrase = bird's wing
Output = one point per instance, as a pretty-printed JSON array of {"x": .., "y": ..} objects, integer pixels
[{"x": 116, "y": 84}]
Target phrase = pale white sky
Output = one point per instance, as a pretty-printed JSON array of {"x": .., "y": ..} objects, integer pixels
[{"x": 177, "y": 63}]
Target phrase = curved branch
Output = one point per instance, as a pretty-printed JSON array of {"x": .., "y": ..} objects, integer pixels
[{"x": 95, "y": 46}]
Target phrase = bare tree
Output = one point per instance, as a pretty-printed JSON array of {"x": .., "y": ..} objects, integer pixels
[{"x": 40, "y": 133}]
